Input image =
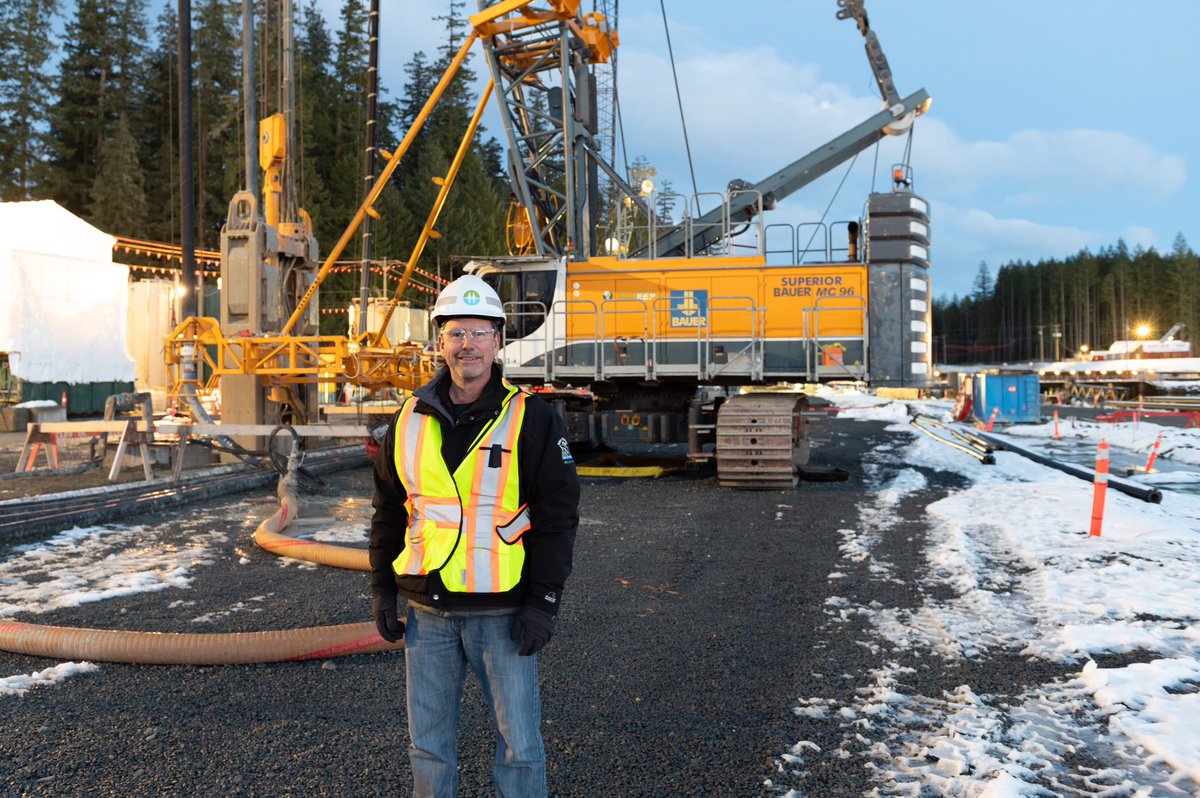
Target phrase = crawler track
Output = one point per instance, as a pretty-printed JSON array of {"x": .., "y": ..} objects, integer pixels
[{"x": 761, "y": 438}]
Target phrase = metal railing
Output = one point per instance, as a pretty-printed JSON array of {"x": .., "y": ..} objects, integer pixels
[
  {"x": 812, "y": 319},
  {"x": 636, "y": 230},
  {"x": 754, "y": 347},
  {"x": 810, "y": 242},
  {"x": 651, "y": 349}
]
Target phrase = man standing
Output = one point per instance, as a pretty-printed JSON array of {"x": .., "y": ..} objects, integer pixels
[{"x": 476, "y": 507}]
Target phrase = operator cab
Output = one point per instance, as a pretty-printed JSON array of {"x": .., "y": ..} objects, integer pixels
[{"x": 528, "y": 287}]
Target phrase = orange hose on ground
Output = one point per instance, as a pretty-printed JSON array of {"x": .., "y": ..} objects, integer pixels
[
  {"x": 269, "y": 538},
  {"x": 170, "y": 648},
  {"x": 314, "y": 551}
]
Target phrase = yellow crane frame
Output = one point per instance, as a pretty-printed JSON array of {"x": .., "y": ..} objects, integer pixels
[{"x": 368, "y": 359}]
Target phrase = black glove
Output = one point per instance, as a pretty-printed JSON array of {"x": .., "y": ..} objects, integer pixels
[
  {"x": 536, "y": 625},
  {"x": 390, "y": 628}
]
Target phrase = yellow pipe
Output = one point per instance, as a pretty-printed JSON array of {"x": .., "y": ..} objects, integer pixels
[
  {"x": 436, "y": 211},
  {"x": 381, "y": 181}
]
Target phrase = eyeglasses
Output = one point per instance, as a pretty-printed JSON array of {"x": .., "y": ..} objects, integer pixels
[{"x": 459, "y": 335}]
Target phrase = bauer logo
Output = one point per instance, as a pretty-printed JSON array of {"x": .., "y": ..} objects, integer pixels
[{"x": 689, "y": 308}]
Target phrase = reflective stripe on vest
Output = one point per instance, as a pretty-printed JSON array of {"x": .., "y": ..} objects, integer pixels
[{"x": 467, "y": 525}]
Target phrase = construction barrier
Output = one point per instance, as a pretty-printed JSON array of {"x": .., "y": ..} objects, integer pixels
[{"x": 1100, "y": 490}]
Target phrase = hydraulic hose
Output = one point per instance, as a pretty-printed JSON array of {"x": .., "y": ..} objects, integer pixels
[
  {"x": 1146, "y": 494},
  {"x": 268, "y": 536},
  {"x": 158, "y": 648},
  {"x": 193, "y": 403}
]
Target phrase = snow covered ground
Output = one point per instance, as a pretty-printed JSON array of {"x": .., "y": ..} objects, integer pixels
[{"x": 1012, "y": 570}]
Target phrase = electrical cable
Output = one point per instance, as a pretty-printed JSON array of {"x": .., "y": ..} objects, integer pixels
[
  {"x": 679, "y": 99},
  {"x": 875, "y": 168}
]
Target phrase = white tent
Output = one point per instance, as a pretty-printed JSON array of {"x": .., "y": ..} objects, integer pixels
[{"x": 62, "y": 299}]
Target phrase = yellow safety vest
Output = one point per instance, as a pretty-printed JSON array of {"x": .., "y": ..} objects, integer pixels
[{"x": 467, "y": 525}]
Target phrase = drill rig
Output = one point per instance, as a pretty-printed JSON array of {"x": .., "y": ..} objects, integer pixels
[{"x": 624, "y": 317}]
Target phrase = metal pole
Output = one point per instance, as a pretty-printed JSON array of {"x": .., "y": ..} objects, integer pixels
[
  {"x": 568, "y": 133},
  {"x": 249, "y": 104},
  {"x": 188, "y": 304},
  {"x": 289, "y": 210},
  {"x": 364, "y": 285}
]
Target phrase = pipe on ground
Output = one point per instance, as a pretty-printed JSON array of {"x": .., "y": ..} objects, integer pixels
[
  {"x": 238, "y": 648},
  {"x": 1146, "y": 494}
]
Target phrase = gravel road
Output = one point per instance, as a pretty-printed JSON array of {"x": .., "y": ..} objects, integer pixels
[{"x": 695, "y": 620}]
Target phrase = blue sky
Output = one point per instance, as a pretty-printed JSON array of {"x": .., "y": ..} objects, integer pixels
[{"x": 1054, "y": 126}]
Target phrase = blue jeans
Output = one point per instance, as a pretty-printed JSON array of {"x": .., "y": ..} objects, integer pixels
[{"x": 437, "y": 651}]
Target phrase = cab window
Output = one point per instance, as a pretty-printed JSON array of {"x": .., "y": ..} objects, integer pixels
[{"x": 526, "y": 297}]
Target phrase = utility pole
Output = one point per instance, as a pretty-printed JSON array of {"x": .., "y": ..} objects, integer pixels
[
  {"x": 1041, "y": 344},
  {"x": 188, "y": 305},
  {"x": 369, "y": 179},
  {"x": 249, "y": 103}
]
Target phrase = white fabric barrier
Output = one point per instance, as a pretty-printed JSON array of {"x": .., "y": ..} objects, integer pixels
[
  {"x": 65, "y": 318},
  {"x": 62, "y": 299}
]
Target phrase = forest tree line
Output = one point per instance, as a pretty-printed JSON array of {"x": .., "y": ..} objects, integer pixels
[
  {"x": 1053, "y": 308},
  {"x": 89, "y": 119}
]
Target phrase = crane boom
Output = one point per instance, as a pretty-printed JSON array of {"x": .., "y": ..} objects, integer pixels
[{"x": 706, "y": 229}]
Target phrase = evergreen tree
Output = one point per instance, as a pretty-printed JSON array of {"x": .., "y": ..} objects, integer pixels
[
  {"x": 25, "y": 95},
  {"x": 981, "y": 288},
  {"x": 99, "y": 80},
  {"x": 216, "y": 104},
  {"x": 118, "y": 197},
  {"x": 155, "y": 125},
  {"x": 315, "y": 125},
  {"x": 1184, "y": 274}
]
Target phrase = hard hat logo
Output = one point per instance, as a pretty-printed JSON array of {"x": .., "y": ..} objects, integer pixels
[{"x": 468, "y": 296}]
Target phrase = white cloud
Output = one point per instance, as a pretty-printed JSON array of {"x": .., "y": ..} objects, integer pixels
[
  {"x": 1137, "y": 235},
  {"x": 1033, "y": 167},
  {"x": 966, "y": 236},
  {"x": 752, "y": 111},
  {"x": 1019, "y": 236},
  {"x": 749, "y": 112}
]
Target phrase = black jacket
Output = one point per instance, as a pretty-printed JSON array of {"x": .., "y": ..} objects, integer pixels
[{"x": 548, "y": 485}]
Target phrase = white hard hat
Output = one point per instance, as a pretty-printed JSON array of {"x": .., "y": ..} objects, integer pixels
[{"x": 467, "y": 296}]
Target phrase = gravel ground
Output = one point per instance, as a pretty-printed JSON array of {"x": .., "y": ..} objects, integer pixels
[{"x": 694, "y": 622}]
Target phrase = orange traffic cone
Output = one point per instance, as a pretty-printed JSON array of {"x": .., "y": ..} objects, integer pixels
[
  {"x": 1056, "y": 424},
  {"x": 992, "y": 420},
  {"x": 64, "y": 399},
  {"x": 1153, "y": 453},
  {"x": 1100, "y": 490}
]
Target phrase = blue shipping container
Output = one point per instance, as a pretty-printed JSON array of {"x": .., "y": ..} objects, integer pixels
[{"x": 1016, "y": 396}]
